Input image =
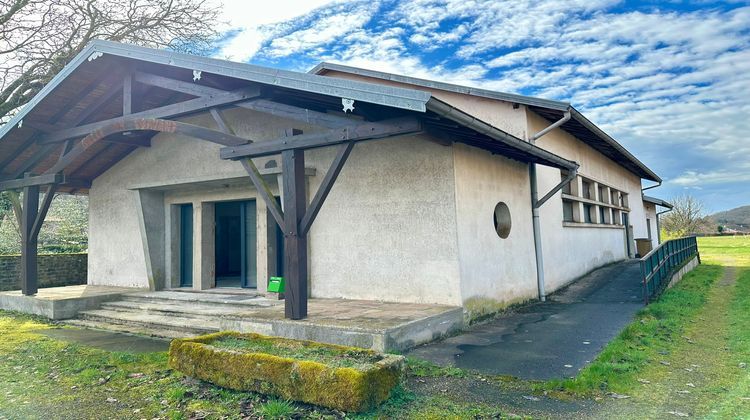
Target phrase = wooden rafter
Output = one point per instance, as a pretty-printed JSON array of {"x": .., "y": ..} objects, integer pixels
[
  {"x": 167, "y": 111},
  {"x": 31, "y": 181},
  {"x": 144, "y": 124},
  {"x": 355, "y": 133},
  {"x": 127, "y": 95}
]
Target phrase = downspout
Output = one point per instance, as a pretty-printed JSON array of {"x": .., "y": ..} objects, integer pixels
[
  {"x": 658, "y": 224},
  {"x": 536, "y": 203}
]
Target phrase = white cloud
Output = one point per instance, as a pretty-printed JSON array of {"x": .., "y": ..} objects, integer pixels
[
  {"x": 671, "y": 85},
  {"x": 255, "y": 22}
]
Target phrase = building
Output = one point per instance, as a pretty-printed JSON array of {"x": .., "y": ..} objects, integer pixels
[{"x": 388, "y": 188}]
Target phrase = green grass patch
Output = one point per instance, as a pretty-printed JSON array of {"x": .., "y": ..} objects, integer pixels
[
  {"x": 648, "y": 339},
  {"x": 424, "y": 368},
  {"x": 276, "y": 409},
  {"x": 653, "y": 335},
  {"x": 734, "y": 401}
]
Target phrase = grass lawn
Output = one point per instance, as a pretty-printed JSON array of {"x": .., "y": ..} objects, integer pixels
[
  {"x": 696, "y": 338},
  {"x": 687, "y": 353}
]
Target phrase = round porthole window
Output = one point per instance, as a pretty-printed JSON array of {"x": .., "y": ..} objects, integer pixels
[{"x": 502, "y": 220}]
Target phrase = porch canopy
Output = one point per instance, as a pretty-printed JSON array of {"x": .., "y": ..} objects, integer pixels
[{"x": 113, "y": 98}]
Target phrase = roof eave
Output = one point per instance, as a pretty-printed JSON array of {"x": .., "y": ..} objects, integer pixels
[
  {"x": 657, "y": 201},
  {"x": 647, "y": 173},
  {"x": 447, "y": 111},
  {"x": 49, "y": 87},
  {"x": 408, "y": 99},
  {"x": 323, "y": 67}
]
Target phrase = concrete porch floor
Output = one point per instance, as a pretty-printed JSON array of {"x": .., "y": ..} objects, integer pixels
[
  {"x": 61, "y": 302},
  {"x": 382, "y": 326}
]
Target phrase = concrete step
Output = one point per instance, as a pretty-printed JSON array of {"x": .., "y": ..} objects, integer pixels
[
  {"x": 127, "y": 329},
  {"x": 180, "y": 308},
  {"x": 234, "y": 300},
  {"x": 146, "y": 320}
]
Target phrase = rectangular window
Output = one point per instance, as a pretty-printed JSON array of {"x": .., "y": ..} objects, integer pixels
[
  {"x": 606, "y": 202},
  {"x": 603, "y": 194},
  {"x": 588, "y": 213},
  {"x": 586, "y": 186},
  {"x": 568, "y": 211},
  {"x": 566, "y": 189}
]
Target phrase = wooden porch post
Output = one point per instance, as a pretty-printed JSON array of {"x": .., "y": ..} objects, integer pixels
[
  {"x": 29, "y": 214},
  {"x": 295, "y": 240}
]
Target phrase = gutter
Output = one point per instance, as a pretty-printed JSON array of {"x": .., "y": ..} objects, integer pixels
[
  {"x": 658, "y": 184},
  {"x": 452, "y": 113},
  {"x": 536, "y": 203}
]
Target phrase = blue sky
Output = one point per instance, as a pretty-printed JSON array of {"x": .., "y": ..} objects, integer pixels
[{"x": 670, "y": 80}]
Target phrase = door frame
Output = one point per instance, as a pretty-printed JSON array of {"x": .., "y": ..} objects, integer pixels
[{"x": 186, "y": 245}]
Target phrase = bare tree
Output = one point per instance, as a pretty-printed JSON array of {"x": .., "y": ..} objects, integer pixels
[
  {"x": 687, "y": 217},
  {"x": 39, "y": 37}
]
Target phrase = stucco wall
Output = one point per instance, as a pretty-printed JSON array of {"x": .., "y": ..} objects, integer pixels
[
  {"x": 570, "y": 252},
  {"x": 649, "y": 211},
  {"x": 494, "y": 271},
  {"x": 386, "y": 231}
]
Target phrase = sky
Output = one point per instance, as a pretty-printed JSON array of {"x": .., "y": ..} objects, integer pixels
[{"x": 670, "y": 80}]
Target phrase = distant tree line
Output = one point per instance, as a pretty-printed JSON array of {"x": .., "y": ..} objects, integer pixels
[
  {"x": 65, "y": 229},
  {"x": 688, "y": 217}
]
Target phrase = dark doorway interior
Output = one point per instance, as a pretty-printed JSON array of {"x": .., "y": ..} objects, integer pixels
[
  {"x": 235, "y": 245},
  {"x": 186, "y": 245}
]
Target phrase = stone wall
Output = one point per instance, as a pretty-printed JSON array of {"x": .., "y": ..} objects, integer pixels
[{"x": 54, "y": 270}]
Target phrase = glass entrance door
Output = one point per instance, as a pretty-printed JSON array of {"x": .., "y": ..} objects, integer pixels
[{"x": 235, "y": 244}]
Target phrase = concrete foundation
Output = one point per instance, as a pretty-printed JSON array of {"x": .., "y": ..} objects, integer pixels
[
  {"x": 381, "y": 326},
  {"x": 679, "y": 274},
  {"x": 61, "y": 302}
]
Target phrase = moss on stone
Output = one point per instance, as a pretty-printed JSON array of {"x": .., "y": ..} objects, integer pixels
[{"x": 344, "y": 388}]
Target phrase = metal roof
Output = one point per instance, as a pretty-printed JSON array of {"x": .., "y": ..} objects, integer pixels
[
  {"x": 86, "y": 91},
  {"x": 367, "y": 92},
  {"x": 657, "y": 201},
  {"x": 579, "y": 126}
]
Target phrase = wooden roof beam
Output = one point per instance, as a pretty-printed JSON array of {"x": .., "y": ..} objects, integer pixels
[
  {"x": 31, "y": 181},
  {"x": 354, "y": 133},
  {"x": 167, "y": 111},
  {"x": 145, "y": 124}
]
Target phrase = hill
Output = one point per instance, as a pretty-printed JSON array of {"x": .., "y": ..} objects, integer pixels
[{"x": 738, "y": 218}]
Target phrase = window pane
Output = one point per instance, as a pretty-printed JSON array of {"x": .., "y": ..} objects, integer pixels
[
  {"x": 586, "y": 186},
  {"x": 566, "y": 188},
  {"x": 567, "y": 211}
]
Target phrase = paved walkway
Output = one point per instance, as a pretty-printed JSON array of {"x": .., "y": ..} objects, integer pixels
[
  {"x": 554, "y": 339},
  {"x": 109, "y": 341}
]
